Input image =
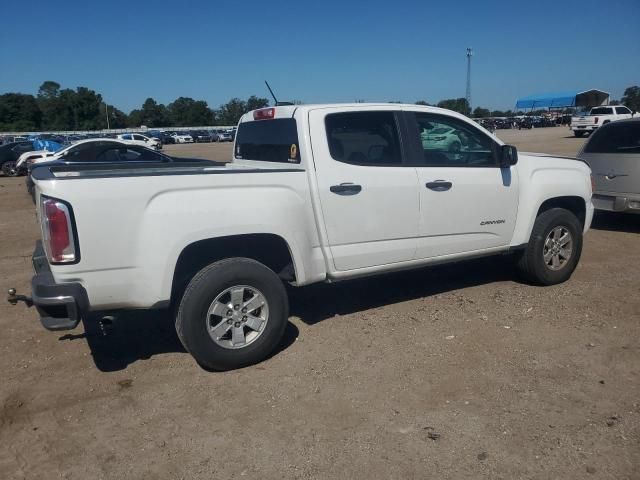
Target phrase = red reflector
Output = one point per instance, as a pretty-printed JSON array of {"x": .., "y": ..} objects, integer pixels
[
  {"x": 264, "y": 114},
  {"x": 595, "y": 120},
  {"x": 57, "y": 232}
]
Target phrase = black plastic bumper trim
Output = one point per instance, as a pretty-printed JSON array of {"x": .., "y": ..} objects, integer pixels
[{"x": 60, "y": 305}]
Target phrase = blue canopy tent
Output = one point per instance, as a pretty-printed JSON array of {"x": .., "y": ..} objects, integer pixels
[{"x": 571, "y": 98}]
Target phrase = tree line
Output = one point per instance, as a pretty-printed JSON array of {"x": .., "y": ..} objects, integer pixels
[{"x": 55, "y": 109}]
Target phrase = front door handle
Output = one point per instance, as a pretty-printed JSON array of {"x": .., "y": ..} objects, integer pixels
[
  {"x": 346, "y": 189},
  {"x": 439, "y": 185}
]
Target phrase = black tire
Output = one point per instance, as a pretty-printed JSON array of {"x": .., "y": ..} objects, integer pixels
[
  {"x": 578, "y": 133},
  {"x": 531, "y": 263},
  {"x": 204, "y": 287},
  {"x": 9, "y": 169}
]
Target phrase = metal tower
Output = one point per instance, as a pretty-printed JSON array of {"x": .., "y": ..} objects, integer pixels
[{"x": 469, "y": 54}]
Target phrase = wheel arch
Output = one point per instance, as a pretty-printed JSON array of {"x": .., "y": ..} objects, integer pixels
[
  {"x": 573, "y": 203},
  {"x": 269, "y": 249}
]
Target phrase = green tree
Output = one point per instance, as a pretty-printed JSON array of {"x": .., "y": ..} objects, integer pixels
[
  {"x": 422, "y": 102},
  {"x": 459, "y": 105},
  {"x": 230, "y": 112},
  {"x": 480, "y": 112},
  {"x": 253, "y": 103},
  {"x": 117, "y": 118},
  {"x": 19, "y": 112},
  {"x": 56, "y": 114},
  {"x": 88, "y": 109},
  {"x": 631, "y": 98},
  {"x": 187, "y": 112},
  {"x": 151, "y": 114}
]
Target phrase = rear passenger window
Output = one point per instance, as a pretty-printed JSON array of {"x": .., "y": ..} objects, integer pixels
[
  {"x": 364, "y": 138},
  {"x": 616, "y": 137},
  {"x": 268, "y": 141}
]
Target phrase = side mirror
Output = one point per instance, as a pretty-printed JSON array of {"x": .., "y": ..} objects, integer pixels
[{"x": 508, "y": 156}]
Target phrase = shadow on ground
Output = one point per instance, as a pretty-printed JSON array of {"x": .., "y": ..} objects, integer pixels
[
  {"x": 319, "y": 302},
  {"x": 616, "y": 222},
  {"x": 130, "y": 336}
]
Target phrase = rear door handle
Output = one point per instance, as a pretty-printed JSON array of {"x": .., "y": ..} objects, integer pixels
[
  {"x": 439, "y": 185},
  {"x": 346, "y": 189}
]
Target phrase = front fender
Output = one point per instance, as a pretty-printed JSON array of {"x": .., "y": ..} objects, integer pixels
[{"x": 547, "y": 178}]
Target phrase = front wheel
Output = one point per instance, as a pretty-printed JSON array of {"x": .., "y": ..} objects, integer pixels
[
  {"x": 554, "y": 248},
  {"x": 9, "y": 169},
  {"x": 232, "y": 314}
]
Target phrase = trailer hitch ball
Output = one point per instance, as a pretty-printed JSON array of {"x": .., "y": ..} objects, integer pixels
[{"x": 13, "y": 298}]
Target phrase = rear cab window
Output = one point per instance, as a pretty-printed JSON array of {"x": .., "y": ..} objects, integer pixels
[
  {"x": 271, "y": 140},
  {"x": 601, "y": 111}
]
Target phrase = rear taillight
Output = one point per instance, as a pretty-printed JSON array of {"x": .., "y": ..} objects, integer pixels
[
  {"x": 57, "y": 231},
  {"x": 595, "y": 120},
  {"x": 264, "y": 114}
]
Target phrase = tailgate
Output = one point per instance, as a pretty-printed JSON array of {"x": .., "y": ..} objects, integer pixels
[{"x": 615, "y": 172}]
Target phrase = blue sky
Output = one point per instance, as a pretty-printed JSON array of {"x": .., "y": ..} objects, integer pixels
[{"x": 326, "y": 51}]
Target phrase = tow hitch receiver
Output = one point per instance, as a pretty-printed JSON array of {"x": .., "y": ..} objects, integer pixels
[{"x": 13, "y": 298}]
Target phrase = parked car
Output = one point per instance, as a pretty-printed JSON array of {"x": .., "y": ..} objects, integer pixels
[
  {"x": 42, "y": 148},
  {"x": 166, "y": 138},
  {"x": 613, "y": 153},
  {"x": 141, "y": 140},
  {"x": 597, "y": 116},
  {"x": 221, "y": 136},
  {"x": 435, "y": 136},
  {"x": 367, "y": 198},
  {"x": 200, "y": 136},
  {"x": 105, "y": 151},
  {"x": 9, "y": 155},
  {"x": 182, "y": 137}
]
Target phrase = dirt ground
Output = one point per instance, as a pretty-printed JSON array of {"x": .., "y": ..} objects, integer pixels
[{"x": 451, "y": 372}]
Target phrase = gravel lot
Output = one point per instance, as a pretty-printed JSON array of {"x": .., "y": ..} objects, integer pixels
[{"x": 452, "y": 372}]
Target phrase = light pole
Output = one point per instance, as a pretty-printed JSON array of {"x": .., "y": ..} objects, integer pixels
[
  {"x": 469, "y": 54},
  {"x": 106, "y": 112}
]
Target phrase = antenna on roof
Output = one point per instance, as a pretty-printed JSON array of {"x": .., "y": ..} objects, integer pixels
[{"x": 277, "y": 103}]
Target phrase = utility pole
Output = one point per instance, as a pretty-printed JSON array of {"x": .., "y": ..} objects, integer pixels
[{"x": 469, "y": 54}]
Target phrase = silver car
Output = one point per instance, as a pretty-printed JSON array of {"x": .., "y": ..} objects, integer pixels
[{"x": 613, "y": 153}]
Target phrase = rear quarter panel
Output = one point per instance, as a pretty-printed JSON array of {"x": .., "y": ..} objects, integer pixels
[{"x": 131, "y": 230}]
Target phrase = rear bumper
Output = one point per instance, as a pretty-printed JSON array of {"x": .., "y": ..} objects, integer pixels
[
  {"x": 616, "y": 202},
  {"x": 61, "y": 306},
  {"x": 583, "y": 128}
]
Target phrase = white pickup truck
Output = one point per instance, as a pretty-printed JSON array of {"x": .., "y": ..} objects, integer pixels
[
  {"x": 313, "y": 194},
  {"x": 597, "y": 116}
]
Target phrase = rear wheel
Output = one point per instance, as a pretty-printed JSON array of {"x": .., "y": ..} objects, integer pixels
[
  {"x": 232, "y": 314},
  {"x": 554, "y": 248}
]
